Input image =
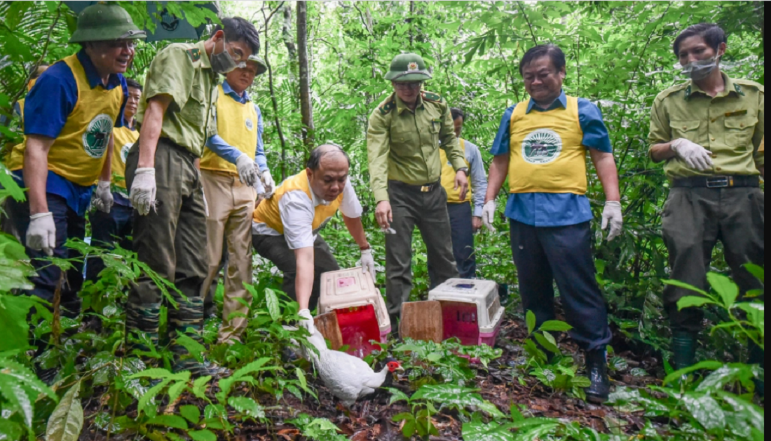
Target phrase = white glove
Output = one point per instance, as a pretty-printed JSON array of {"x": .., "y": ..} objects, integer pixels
[
  {"x": 613, "y": 216},
  {"x": 247, "y": 170},
  {"x": 143, "y": 190},
  {"x": 41, "y": 234},
  {"x": 307, "y": 321},
  {"x": 488, "y": 216},
  {"x": 368, "y": 263},
  {"x": 696, "y": 156},
  {"x": 268, "y": 182},
  {"x": 104, "y": 200}
]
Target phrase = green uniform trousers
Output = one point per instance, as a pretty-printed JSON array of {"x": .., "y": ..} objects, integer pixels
[
  {"x": 171, "y": 240},
  {"x": 412, "y": 207},
  {"x": 275, "y": 249},
  {"x": 694, "y": 220}
]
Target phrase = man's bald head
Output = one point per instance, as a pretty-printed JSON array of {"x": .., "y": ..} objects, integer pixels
[
  {"x": 327, "y": 170},
  {"x": 327, "y": 153}
]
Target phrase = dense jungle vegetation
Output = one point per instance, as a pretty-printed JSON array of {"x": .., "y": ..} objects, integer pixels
[{"x": 619, "y": 56}]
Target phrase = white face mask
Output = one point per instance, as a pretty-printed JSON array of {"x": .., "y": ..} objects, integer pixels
[{"x": 699, "y": 70}]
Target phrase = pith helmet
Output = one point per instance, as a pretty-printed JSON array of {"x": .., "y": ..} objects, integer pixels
[
  {"x": 101, "y": 22},
  {"x": 262, "y": 67},
  {"x": 408, "y": 68}
]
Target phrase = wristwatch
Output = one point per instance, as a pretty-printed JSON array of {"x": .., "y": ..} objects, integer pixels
[{"x": 464, "y": 170}]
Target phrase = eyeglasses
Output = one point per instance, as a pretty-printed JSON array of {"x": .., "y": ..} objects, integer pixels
[
  {"x": 125, "y": 44},
  {"x": 408, "y": 86}
]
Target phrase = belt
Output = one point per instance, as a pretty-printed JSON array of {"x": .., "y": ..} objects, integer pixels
[
  {"x": 427, "y": 188},
  {"x": 718, "y": 182},
  {"x": 182, "y": 149}
]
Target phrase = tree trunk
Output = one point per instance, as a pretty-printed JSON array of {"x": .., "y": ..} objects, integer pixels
[
  {"x": 273, "y": 94},
  {"x": 288, "y": 37},
  {"x": 306, "y": 107}
]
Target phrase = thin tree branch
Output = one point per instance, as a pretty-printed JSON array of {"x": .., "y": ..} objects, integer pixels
[{"x": 527, "y": 19}]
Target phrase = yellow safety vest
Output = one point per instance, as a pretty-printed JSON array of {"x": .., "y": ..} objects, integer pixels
[
  {"x": 237, "y": 125},
  {"x": 268, "y": 212},
  {"x": 547, "y": 154},
  {"x": 448, "y": 177},
  {"x": 78, "y": 153},
  {"x": 125, "y": 138}
]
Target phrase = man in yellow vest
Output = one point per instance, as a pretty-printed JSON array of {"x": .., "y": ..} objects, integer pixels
[
  {"x": 176, "y": 119},
  {"x": 231, "y": 165},
  {"x": 541, "y": 146},
  {"x": 69, "y": 117},
  {"x": 464, "y": 220},
  {"x": 106, "y": 227},
  {"x": 286, "y": 226}
]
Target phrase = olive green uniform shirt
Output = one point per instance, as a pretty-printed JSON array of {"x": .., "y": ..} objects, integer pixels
[
  {"x": 404, "y": 145},
  {"x": 730, "y": 125},
  {"x": 183, "y": 71}
]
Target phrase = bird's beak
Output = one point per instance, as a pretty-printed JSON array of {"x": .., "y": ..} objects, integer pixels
[{"x": 400, "y": 369}]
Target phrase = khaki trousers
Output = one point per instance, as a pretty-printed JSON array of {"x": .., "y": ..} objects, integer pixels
[{"x": 231, "y": 207}]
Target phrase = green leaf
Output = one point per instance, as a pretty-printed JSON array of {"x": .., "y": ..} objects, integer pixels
[
  {"x": 757, "y": 271},
  {"x": 683, "y": 285},
  {"x": 705, "y": 410},
  {"x": 704, "y": 365},
  {"x": 247, "y": 406},
  {"x": 66, "y": 422},
  {"x": 199, "y": 387},
  {"x": 725, "y": 287},
  {"x": 581, "y": 382},
  {"x": 477, "y": 431},
  {"x": 531, "y": 322},
  {"x": 546, "y": 344},
  {"x": 173, "y": 421},
  {"x": 274, "y": 307},
  {"x": 197, "y": 350},
  {"x": 693, "y": 302},
  {"x": 191, "y": 413},
  {"x": 202, "y": 435},
  {"x": 397, "y": 396},
  {"x": 555, "y": 326},
  {"x": 449, "y": 394}
]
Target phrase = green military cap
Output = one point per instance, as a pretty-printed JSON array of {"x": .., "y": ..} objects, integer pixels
[
  {"x": 262, "y": 67},
  {"x": 408, "y": 68},
  {"x": 102, "y": 22}
]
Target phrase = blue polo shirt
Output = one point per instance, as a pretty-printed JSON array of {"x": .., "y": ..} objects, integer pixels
[
  {"x": 231, "y": 154},
  {"x": 549, "y": 209},
  {"x": 46, "y": 109}
]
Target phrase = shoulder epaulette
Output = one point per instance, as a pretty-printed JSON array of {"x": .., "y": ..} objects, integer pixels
[
  {"x": 388, "y": 106},
  {"x": 678, "y": 88},
  {"x": 432, "y": 97},
  {"x": 740, "y": 84}
]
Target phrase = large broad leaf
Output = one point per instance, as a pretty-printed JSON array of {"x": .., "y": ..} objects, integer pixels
[
  {"x": 555, "y": 326},
  {"x": 247, "y": 407},
  {"x": 172, "y": 421},
  {"x": 704, "y": 365},
  {"x": 725, "y": 288},
  {"x": 531, "y": 322},
  {"x": 706, "y": 410},
  {"x": 14, "y": 311},
  {"x": 66, "y": 422},
  {"x": 693, "y": 302},
  {"x": 487, "y": 432},
  {"x": 274, "y": 307},
  {"x": 745, "y": 411},
  {"x": 448, "y": 394},
  {"x": 684, "y": 285}
]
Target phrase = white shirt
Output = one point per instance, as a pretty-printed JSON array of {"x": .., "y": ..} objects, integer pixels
[{"x": 297, "y": 214}]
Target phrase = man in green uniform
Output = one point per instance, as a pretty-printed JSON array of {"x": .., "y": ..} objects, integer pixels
[
  {"x": 176, "y": 117},
  {"x": 403, "y": 140},
  {"x": 708, "y": 131}
]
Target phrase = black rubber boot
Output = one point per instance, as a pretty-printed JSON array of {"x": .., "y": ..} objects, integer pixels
[
  {"x": 684, "y": 349},
  {"x": 142, "y": 323},
  {"x": 597, "y": 369},
  {"x": 188, "y": 320}
]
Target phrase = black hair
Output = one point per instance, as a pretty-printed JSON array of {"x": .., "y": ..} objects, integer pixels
[
  {"x": 133, "y": 84},
  {"x": 712, "y": 34},
  {"x": 240, "y": 29},
  {"x": 314, "y": 162},
  {"x": 544, "y": 50},
  {"x": 457, "y": 113}
]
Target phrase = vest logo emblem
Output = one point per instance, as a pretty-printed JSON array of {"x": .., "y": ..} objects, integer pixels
[
  {"x": 97, "y": 135},
  {"x": 249, "y": 124},
  {"x": 542, "y": 147},
  {"x": 124, "y": 151}
]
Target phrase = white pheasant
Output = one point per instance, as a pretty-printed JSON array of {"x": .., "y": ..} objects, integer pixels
[{"x": 347, "y": 377}]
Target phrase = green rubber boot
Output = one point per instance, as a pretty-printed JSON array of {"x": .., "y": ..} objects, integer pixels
[
  {"x": 684, "y": 348},
  {"x": 188, "y": 321},
  {"x": 142, "y": 333}
]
